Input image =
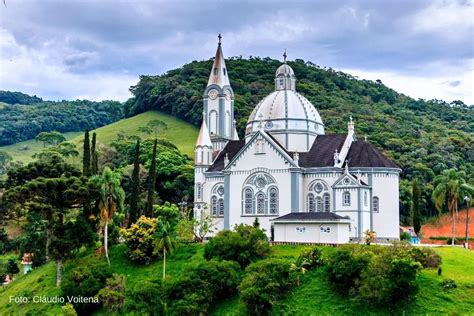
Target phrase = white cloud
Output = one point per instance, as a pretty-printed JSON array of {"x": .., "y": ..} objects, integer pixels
[
  {"x": 44, "y": 72},
  {"x": 433, "y": 81}
]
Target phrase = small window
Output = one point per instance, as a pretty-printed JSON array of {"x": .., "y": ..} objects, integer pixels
[
  {"x": 281, "y": 83},
  {"x": 319, "y": 204},
  {"x": 346, "y": 198},
  {"x": 214, "y": 206},
  {"x": 375, "y": 204},
  {"x": 311, "y": 205},
  {"x": 223, "y": 69},
  {"x": 248, "y": 196},
  {"x": 215, "y": 71},
  {"x": 273, "y": 194},
  {"x": 365, "y": 198},
  {"x": 220, "y": 207},
  {"x": 327, "y": 202},
  {"x": 199, "y": 191},
  {"x": 260, "y": 204}
]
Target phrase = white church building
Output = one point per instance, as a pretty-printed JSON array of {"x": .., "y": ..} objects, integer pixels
[{"x": 301, "y": 184}]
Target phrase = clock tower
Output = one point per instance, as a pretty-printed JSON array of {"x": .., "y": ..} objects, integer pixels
[{"x": 218, "y": 101}]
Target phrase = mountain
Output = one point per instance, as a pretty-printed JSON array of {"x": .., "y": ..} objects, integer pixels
[{"x": 422, "y": 137}]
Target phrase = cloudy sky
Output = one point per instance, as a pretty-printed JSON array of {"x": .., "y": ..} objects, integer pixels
[{"x": 97, "y": 49}]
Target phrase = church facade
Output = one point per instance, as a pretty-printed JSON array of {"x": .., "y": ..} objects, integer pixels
[{"x": 301, "y": 184}]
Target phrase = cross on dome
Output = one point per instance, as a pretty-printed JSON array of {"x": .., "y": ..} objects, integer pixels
[{"x": 284, "y": 56}]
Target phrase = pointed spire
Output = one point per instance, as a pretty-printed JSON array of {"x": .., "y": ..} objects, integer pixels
[
  {"x": 218, "y": 74},
  {"x": 236, "y": 135},
  {"x": 347, "y": 167},
  {"x": 203, "y": 138}
]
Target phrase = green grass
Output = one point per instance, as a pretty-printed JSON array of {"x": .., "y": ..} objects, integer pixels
[
  {"x": 180, "y": 133},
  {"x": 24, "y": 151},
  {"x": 313, "y": 297}
]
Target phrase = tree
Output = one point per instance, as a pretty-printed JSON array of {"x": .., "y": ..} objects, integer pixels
[
  {"x": 450, "y": 187},
  {"x": 139, "y": 240},
  {"x": 416, "y": 195},
  {"x": 86, "y": 156},
  {"x": 111, "y": 196},
  {"x": 163, "y": 242},
  {"x": 151, "y": 183},
  {"x": 94, "y": 160},
  {"x": 12, "y": 267},
  {"x": 5, "y": 159},
  {"x": 135, "y": 192},
  {"x": 51, "y": 138}
]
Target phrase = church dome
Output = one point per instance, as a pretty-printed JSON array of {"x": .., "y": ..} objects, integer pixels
[{"x": 286, "y": 114}]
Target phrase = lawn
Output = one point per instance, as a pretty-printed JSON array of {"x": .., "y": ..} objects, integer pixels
[
  {"x": 313, "y": 297},
  {"x": 180, "y": 133}
]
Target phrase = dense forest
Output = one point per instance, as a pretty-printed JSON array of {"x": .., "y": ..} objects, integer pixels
[
  {"x": 19, "y": 122},
  {"x": 422, "y": 137}
]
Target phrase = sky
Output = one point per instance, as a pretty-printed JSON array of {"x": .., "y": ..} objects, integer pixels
[{"x": 97, "y": 49}]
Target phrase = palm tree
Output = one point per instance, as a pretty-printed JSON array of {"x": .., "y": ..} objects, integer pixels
[
  {"x": 450, "y": 187},
  {"x": 299, "y": 267},
  {"x": 111, "y": 197},
  {"x": 163, "y": 242}
]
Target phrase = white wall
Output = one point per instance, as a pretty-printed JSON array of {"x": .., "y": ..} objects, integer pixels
[
  {"x": 311, "y": 232},
  {"x": 386, "y": 222}
]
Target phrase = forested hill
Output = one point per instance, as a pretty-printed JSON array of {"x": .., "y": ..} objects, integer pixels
[
  {"x": 423, "y": 137},
  {"x": 23, "y": 117}
]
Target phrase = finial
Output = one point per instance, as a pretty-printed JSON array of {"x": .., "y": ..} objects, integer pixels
[
  {"x": 350, "y": 118},
  {"x": 365, "y": 138},
  {"x": 284, "y": 56},
  {"x": 219, "y": 37},
  {"x": 347, "y": 166}
]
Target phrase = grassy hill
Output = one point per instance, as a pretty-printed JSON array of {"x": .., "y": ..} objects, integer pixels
[
  {"x": 312, "y": 297},
  {"x": 182, "y": 134}
]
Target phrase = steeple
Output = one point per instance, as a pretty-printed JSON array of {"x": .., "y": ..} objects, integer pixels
[
  {"x": 218, "y": 74},
  {"x": 203, "y": 138},
  {"x": 285, "y": 76},
  {"x": 203, "y": 148}
]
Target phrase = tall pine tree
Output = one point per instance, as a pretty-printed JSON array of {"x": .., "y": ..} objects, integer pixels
[
  {"x": 86, "y": 156},
  {"x": 94, "y": 162},
  {"x": 151, "y": 183},
  {"x": 416, "y": 197},
  {"x": 135, "y": 185}
]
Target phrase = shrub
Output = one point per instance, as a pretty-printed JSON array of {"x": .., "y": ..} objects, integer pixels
[
  {"x": 245, "y": 245},
  {"x": 345, "y": 267},
  {"x": 448, "y": 284},
  {"x": 405, "y": 236},
  {"x": 112, "y": 296},
  {"x": 12, "y": 267},
  {"x": 68, "y": 310},
  {"x": 199, "y": 286},
  {"x": 139, "y": 240},
  {"x": 426, "y": 256},
  {"x": 85, "y": 279},
  {"x": 265, "y": 282},
  {"x": 313, "y": 257},
  {"x": 145, "y": 298},
  {"x": 401, "y": 279},
  {"x": 167, "y": 213},
  {"x": 3, "y": 241}
]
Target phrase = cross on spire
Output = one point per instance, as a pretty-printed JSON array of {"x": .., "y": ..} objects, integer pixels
[
  {"x": 284, "y": 56},
  {"x": 219, "y": 37}
]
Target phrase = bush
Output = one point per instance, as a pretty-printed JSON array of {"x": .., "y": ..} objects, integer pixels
[
  {"x": 139, "y": 240},
  {"x": 265, "y": 282},
  {"x": 448, "y": 284},
  {"x": 68, "y": 310},
  {"x": 426, "y": 256},
  {"x": 3, "y": 241},
  {"x": 85, "y": 279},
  {"x": 312, "y": 256},
  {"x": 12, "y": 267},
  {"x": 345, "y": 268},
  {"x": 401, "y": 280},
  {"x": 112, "y": 296},
  {"x": 245, "y": 245},
  {"x": 405, "y": 236},
  {"x": 145, "y": 298},
  {"x": 198, "y": 286}
]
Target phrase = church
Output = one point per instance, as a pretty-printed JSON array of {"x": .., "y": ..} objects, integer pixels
[{"x": 302, "y": 185}]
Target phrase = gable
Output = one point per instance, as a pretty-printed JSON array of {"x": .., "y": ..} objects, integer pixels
[
  {"x": 346, "y": 181},
  {"x": 261, "y": 151}
]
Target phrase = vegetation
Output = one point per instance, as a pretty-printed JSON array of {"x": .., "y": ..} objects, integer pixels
[
  {"x": 416, "y": 196},
  {"x": 25, "y": 121}
]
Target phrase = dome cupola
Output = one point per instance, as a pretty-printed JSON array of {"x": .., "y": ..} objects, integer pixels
[{"x": 286, "y": 115}]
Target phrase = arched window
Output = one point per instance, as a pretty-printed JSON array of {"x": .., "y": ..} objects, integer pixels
[
  {"x": 213, "y": 122},
  {"x": 220, "y": 207},
  {"x": 311, "y": 205},
  {"x": 248, "y": 197},
  {"x": 215, "y": 71},
  {"x": 375, "y": 204},
  {"x": 214, "y": 206},
  {"x": 346, "y": 198},
  {"x": 273, "y": 204},
  {"x": 365, "y": 198},
  {"x": 260, "y": 201},
  {"x": 319, "y": 204},
  {"x": 199, "y": 191},
  {"x": 281, "y": 83},
  {"x": 327, "y": 202}
]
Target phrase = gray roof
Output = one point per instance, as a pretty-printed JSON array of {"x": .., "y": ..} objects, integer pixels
[{"x": 311, "y": 216}]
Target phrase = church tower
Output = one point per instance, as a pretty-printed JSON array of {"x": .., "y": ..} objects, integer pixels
[{"x": 218, "y": 101}]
